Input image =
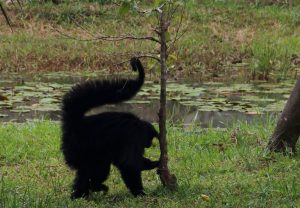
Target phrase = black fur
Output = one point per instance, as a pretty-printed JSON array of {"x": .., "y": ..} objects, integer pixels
[{"x": 90, "y": 144}]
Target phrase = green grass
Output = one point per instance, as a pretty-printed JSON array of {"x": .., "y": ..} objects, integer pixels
[{"x": 229, "y": 166}]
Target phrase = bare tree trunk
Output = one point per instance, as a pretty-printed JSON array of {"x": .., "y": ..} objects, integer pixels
[
  {"x": 167, "y": 179},
  {"x": 287, "y": 131}
]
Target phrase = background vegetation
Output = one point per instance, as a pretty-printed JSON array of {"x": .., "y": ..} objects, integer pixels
[{"x": 253, "y": 39}]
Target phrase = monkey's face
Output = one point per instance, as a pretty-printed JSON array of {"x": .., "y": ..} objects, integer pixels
[
  {"x": 152, "y": 133},
  {"x": 148, "y": 142}
]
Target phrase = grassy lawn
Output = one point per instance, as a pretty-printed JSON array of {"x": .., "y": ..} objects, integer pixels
[
  {"x": 261, "y": 38},
  {"x": 229, "y": 166}
]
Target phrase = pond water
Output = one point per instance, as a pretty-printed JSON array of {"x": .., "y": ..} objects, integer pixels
[{"x": 38, "y": 96}]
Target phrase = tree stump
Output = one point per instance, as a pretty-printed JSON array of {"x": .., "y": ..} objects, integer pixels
[{"x": 287, "y": 131}]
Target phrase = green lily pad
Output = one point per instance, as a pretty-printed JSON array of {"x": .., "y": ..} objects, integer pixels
[
  {"x": 20, "y": 110},
  {"x": 143, "y": 93},
  {"x": 48, "y": 100},
  {"x": 138, "y": 101},
  {"x": 256, "y": 98},
  {"x": 6, "y": 104},
  {"x": 45, "y": 108},
  {"x": 278, "y": 106},
  {"x": 25, "y": 88}
]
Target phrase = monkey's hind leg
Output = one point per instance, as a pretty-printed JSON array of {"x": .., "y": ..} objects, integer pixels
[
  {"x": 98, "y": 176},
  {"x": 80, "y": 185}
]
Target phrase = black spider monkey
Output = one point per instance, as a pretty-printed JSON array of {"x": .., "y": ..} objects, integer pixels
[{"x": 90, "y": 144}]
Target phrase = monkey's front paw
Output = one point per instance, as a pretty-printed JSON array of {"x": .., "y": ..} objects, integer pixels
[{"x": 156, "y": 164}]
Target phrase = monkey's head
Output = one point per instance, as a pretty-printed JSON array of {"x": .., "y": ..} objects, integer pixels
[{"x": 150, "y": 134}]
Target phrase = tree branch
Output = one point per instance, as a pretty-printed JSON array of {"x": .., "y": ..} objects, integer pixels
[
  {"x": 108, "y": 38},
  {"x": 177, "y": 35},
  {"x": 147, "y": 11},
  {"x": 5, "y": 16},
  {"x": 140, "y": 56}
]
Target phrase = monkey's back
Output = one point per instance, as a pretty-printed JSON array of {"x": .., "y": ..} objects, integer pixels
[{"x": 102, "y": 137}]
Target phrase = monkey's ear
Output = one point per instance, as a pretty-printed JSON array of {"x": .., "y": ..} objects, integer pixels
[
  {"x": 149, "y": 134},
  {"x": 148, "y": 141},
  {"x": 156, "y": 134}
]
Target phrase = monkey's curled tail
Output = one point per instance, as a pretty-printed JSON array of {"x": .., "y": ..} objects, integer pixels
[{"x": 87, "y": 95}]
